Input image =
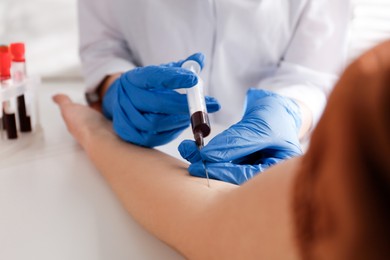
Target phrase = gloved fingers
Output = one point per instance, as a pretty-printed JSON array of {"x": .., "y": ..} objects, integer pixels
[
  {"x": 267, "y": 124},
  {"x": 268, "y": 162},
  {"x": 198, "y": 57},
  {"x": 258, "y": 157},
  {"x": 234, "y": 143},
  {"x": 152, "y": 139},
  {"x": 160, "y": 77},
  {"x": 128, "y": 132},
  {"x": 157, "y": 101},
  {"x": 271, "y": 103},
  {"x": 254, "y": 94},
  {"x": 212, "y": 104},
  {"x": 244, "y": 147},
  {"x": 225, "y": 171},
  {"x": 161, "y": 122},
  {"x": 151, "y": 122},
  {"x": 268, "y": 156},
  {"x": 164, "y": 101},
  {"x": 285, "y": 151},
  {"x": 189, "y": 151}
]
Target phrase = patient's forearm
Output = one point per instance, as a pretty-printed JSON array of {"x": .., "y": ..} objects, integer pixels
[
  {"x": 181, "y": 210},
  {"x": 154, "y": 187}
]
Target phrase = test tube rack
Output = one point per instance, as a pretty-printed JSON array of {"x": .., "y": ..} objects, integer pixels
[{"x": 28, "y": 88}]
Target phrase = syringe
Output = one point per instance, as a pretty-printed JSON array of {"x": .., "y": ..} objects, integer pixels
[{"x": 197, "y": 106}]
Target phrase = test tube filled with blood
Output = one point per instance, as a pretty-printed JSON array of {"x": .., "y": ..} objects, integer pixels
[
  {"x": 18, "y": 76},
  {"x": 9, "y": 106}
]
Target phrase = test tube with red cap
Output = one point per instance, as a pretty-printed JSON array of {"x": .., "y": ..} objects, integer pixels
[
  {"x": 4, "y": 49},
  {"x": 19, "y": 75},
  {"x": 9, "y": 106}
]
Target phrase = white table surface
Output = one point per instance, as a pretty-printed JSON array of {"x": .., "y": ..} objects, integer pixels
[{"x": 55, "y": 205}]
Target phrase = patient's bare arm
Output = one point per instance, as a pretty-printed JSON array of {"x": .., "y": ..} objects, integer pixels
[{"x": 224, "y": 221}]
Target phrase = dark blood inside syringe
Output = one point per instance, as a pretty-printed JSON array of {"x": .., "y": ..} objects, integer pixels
[{"x": 200, "y": 126}]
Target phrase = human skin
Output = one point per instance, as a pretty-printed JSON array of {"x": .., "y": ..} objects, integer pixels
[
  {"x": 252, "y": 221},
  {"x": 330, "y": 204}
]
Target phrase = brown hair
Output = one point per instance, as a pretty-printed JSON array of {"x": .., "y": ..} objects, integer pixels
[{"x": 352, "y": 145}]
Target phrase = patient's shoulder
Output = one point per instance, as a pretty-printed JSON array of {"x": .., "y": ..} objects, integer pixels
[{"x": 373, "y": 61}]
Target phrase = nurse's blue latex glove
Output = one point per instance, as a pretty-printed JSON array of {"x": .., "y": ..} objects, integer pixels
[
  {"x": 144, "y": 106},
  {"x": 266, "y": 135}
]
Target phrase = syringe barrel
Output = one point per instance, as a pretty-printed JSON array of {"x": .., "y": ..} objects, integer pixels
[
  {"x": 196, "y": 102},
  {"x": 195, "y": 98}
]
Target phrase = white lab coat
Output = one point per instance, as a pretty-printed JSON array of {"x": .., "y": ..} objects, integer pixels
[{"x": 293, "y": 47}]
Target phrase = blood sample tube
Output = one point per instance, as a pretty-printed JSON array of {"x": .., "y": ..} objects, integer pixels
[
  {"x": 9, "y": 106},
  {"x": 19, "y": 75},
  {"x": 4, "y": 48}
]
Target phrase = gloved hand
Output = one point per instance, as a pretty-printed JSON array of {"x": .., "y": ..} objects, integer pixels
[
  {"x": 267, "y": 134},
  {"x": 145, "y": 108}
]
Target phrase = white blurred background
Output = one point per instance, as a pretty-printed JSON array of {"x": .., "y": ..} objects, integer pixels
[
  {"x": 49, "y": 28},
  {"x": 370, "y": 24}
]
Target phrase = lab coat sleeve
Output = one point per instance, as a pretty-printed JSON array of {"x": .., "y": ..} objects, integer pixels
[
  {"x": 103, "y": 49},
  {"x": 315, "y": 56}
]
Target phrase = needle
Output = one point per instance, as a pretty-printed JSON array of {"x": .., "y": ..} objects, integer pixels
[
  {"x": 200, "y": 146},
  {"x": 207, "y": 174}
]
